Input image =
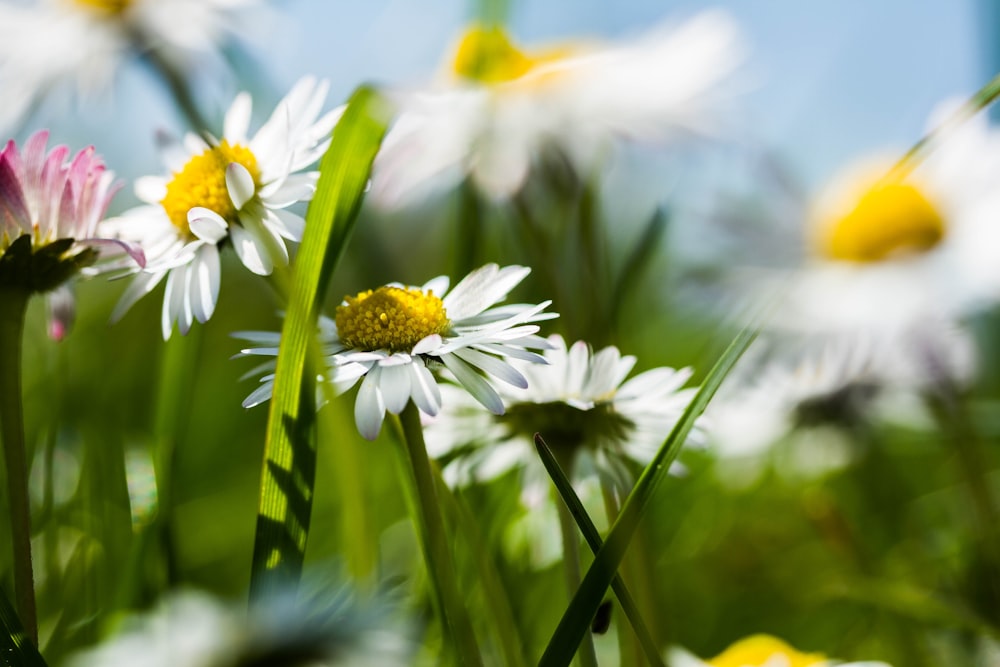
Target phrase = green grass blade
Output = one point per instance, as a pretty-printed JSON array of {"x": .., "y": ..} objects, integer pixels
[
  {"x": 578, "y": 616},
  {"x": 290, "y": 451},
  {"x": 595, "y": 543},
  {"x": 16, "y": 649}
]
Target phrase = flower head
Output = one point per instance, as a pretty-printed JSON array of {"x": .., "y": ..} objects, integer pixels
[
  {"x": 583, "y": 406},
  {"x": 52, "y": 224},
  {"x": 63, "y": 44},
  {"x": 498, "y": 108},
  {"x": 235, "y": 189},
  {"x": 391, "y": 339}
]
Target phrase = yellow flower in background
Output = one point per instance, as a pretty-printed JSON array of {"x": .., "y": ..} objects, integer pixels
[
  {"x": 763, "y": 651},
  {"x": 497, "y": 109}
]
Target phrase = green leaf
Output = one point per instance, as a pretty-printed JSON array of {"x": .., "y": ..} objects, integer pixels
[
  {"x": 290, "y": 451},
  {"x": 16, "y": 650},
  {"x": 593, "y": 537},
  {"x": 582, "y": 608}
]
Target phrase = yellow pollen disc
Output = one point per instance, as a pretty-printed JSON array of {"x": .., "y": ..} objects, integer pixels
[
  {"x": 105, "y": 6},
  {"x": 390, "y": 318},
  {"x": 487, "y": 55},
  {"x": 755, "y": 651},
  {"x": 888, "y": 220},
  {"x": 202, "y": 182}
]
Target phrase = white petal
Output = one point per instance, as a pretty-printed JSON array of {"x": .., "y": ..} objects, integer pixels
[
  {"x": 251, "y": 251},
  {"x": 481, "y": 289},
  {"x": 240, "y": 184},
  {"x": 424, "y": 389},
  {"x": 204, "y": 289},
  {"x": 496, "y": 367},
  {"x": 292, "y": 226},
  {"x": 369, "y": 410},
  {"x": 173, "y": 299},
  {"x": 427, "y": 344},
  {"x": 151, "y": 189},
  {"x": 395, "y": 387},
  {"x": 237, "y": 121},
  {"x": 143, "y": 284},
  {"x": 207, "y": 225},
  {"x": 479, "y": 388}
]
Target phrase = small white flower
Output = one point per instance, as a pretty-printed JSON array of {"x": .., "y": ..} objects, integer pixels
[
  {"x": 391, "y": 338},
  {"x": 763, "y": 651},
  {"x": 499, "y": 109},
  {"x": 234, "y": 190},
  {"x": 584, "y": 409},
  {"x": 81, "y": 43}
]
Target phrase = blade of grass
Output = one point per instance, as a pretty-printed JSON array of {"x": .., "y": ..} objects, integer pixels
[
  {"x": 16, "y": 649},
  {"x": 593, "y": 537},
  {"x": 288, "y": 471},
  {"x": 578, "y": 616}
]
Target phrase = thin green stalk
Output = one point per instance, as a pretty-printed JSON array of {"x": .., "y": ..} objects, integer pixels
[
  {"x": 13, "y": 308},
  {"x": 434, "y": 540},
  {"x": 571, "y": 570},
  {"x": 469, "y": 238},
  {"x": 175, "y": 83},
  {"x": 979, "y": 101}
]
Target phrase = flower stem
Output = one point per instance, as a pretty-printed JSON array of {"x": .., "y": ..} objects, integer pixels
[
  {"x": 13, "y": 308},
  {"x": 175, "y": 83},
  {"x": 434, "y": 540},
  {"x": 571, "y": 567}
]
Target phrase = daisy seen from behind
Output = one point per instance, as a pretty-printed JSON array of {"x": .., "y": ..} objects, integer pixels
[
  {"x": 589, "y": 414},
  {"x": 52, "y": 226},
  {"x": 392, "y": 338},
  {"x": 53, "y": 45},
  {"x": 234, "y": 190},
  {"x": 497, "y": 109}
]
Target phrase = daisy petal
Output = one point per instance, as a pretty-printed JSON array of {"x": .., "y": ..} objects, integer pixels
[
  {"x": 474, "y": 384},
  {"x": 240, "y": 184},
  {"x": 493, "y": 366},
  {"x": 369, "y": 409},
  {"x": 251, "y": 251},
  {"x": 395, "y": 387},
  {"x": 424, "y": 389},
  {"x": 207, "y": 225}
]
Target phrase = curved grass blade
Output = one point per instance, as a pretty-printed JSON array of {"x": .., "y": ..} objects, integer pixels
[
  {"x": 290, "y": 451},
  {"x": 595, "y": 543},
  {"x": 16, "y": 649},
  {"x": 578, "y": 616}
]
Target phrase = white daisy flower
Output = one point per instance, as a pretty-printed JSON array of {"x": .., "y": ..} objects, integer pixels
[
  {"x": 763, "y": 651},
  {"x": 53, "y": 43},
  {"x": 197, "y": 630},
  {"x": 885, "y": 250},
  {"x": 584, "y": 408},
  {"x": 498, "y": 108},
  {"x": 832, "y": 389},
  {"x": 235, "y": 189},
  {"x": 391, "y": 338}
]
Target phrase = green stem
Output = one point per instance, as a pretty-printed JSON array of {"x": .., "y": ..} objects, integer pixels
[
  {"x": 13, "y": 308},
  {"x": 469, "y": 238},
  {"x": 571, "y": 568},
  {"x": 434, "y": 539},
  {"x": 979, "y": 101},
  {"x": 175, "y": 83}
]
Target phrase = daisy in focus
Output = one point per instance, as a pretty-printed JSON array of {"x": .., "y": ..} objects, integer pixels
[
  {"x": 589, "y": 414},
  {"x": 763, "y": 651},
  {"x": 231, "y": 190},
  {"x": 497, "y": 109},
  {"x": 393, "y": 337},
  {"x": 80, "y": 44},
  {"x": 52, "y": 226},
  {"x": 886, "y": 248}
]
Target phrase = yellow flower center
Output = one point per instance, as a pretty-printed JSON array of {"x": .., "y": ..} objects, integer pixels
[
  {"x": 889, "y": 219},
  {"x": 113, "y": 7},
  {"x": 755, "y": 651},
  {"x": 202, "y": 182},
  {"x": 390, "y": 318},
  {"x": 487, "y": 55}
]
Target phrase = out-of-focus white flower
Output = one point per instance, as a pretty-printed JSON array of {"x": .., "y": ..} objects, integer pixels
[
  {"x": 592, "y": 418},
  {"x": 885, "y": 250},
  {"x": 497, "y": 109},
  {"x": 53, "y": 43},
  {"x": 763, "y": 651},
  {"x": 52, "y": 225},
  {"x": 835, "y": 385},
  {"x": 235, "y": 189},
  {"x": 197, "y": 630},
  {"x": 394, "y": 335}
]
